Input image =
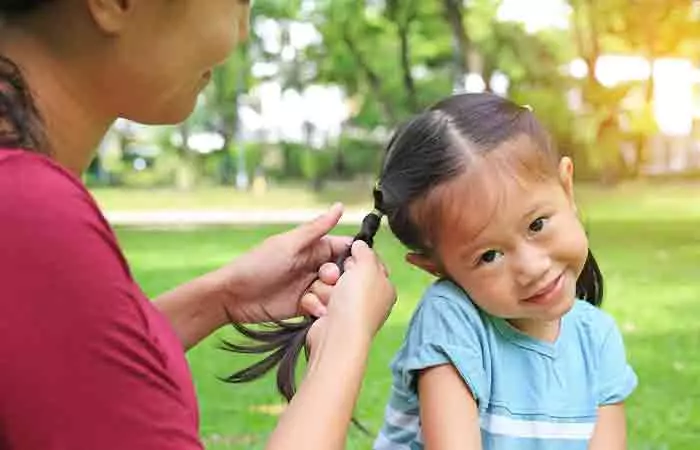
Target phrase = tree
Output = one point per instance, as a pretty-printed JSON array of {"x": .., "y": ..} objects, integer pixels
[
  {"x": 453, "y": 11},
  {"x": 390, "y": 57},
  {"x": 648, "y": 28},
  {"x": 403, "y": 14}
]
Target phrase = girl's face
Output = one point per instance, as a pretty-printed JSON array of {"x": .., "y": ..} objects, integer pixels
[
  {"x": 159, "y": 54},
  {"x": 511, "y": 240}
]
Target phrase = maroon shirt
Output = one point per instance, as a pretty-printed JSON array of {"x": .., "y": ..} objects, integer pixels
[{"x": 86, "y": 361}]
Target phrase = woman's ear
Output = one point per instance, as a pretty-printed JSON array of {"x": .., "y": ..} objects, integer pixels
[
  {"x": 566, "y": 178},
  {"x": 424, "y": 262}
]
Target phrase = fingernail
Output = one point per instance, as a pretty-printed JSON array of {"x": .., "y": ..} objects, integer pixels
[
  {"x": 361, "y": 243},
  {"x": 321, "y": 311}
]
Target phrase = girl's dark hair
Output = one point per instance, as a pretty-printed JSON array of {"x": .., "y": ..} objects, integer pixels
[
  {"x": 21, "y": 125},
  {"x": 437, "y": 146},
  {"x": 432, "y": 148}
]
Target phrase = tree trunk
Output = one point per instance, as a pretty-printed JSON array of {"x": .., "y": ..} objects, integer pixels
[
  {"x": 453, "y": 13},
  {"x": 184, "y": 177},
  {"x": 403, "y": 18},
  {"x": 408, "y": 83}
]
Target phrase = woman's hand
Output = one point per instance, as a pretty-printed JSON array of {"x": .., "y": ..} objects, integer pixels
[
  {"x": 274, "y": 280},
  {"x": 359, "y": 304},
  {"x": 287, "y": 275},
  {"x": 361, "y": 300}
]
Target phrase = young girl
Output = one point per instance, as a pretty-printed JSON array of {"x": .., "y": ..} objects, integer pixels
[{"x": 507, "y": 349}]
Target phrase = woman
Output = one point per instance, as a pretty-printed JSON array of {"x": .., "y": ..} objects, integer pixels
[{"x": 87, "y": 361}]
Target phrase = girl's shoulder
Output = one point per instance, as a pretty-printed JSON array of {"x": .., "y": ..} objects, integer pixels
[
  {"x": 593, "y": 317},
  {"x": 444, "y": 317},
  {"x": 591, "y": 324},
  {"x": 445, "y": 301},
  {"x": 446, "y": 328},
  {"x": 595, "y": 336}
]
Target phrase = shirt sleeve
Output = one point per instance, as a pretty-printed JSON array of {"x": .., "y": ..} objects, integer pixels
[
  {"x": 81, "y": 369},
  {"x": 446, "y": 329},
  {"x": 617, "y": 379}
]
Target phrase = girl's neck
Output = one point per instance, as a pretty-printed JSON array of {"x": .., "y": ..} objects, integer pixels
[
  {"x": 543, "y": 330},
  {"x": 72, "y": 123}
]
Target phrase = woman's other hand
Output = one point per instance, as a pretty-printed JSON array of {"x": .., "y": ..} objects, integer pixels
[
  {"x": 361, "y": 300},
  {"x": 273, "y": 280}
]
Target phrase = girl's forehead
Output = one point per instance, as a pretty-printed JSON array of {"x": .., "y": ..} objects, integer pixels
[{"x": 494, "y": 192}]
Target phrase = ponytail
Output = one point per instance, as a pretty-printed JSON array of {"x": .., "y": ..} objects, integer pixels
[
  {"x": 283, "y": 341},
  {"x": 589, "y": 285},
  {"x": 21, "y": 126}
]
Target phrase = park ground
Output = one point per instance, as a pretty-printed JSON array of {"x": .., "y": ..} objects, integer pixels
[{"x": 646, "y": 238}]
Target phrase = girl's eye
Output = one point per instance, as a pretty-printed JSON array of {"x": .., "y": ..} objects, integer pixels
[
  {"x": 537, "y": 225},
  {"x": 489, "y": 256}
]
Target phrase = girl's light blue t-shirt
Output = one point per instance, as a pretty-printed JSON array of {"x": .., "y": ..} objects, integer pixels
[{"x": 531, "y": 394}]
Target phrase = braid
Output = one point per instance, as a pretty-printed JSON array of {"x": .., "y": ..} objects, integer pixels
[
  {"x": 283, "y": 341},
  {"x": 21, "y": 125}
]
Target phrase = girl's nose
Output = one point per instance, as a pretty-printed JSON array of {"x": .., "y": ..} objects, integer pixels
[{"x": 532, "y": 262}]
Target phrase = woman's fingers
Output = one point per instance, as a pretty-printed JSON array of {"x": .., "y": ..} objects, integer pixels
[
  {"x": 312, "y": 305},
  {"x": 329, "y": 273}
]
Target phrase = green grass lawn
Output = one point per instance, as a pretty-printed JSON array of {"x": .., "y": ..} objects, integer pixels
[{"x": 647, "y": 241}]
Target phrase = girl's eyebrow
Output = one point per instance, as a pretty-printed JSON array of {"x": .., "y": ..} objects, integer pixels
[
  {"x": 540, "y": 204},
  {"x": 476, "y": 244},
  {"x": 530, "y": 212}
]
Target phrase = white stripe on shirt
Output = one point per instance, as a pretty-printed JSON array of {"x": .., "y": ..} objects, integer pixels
[
  {"x": 507, "y": 426},
  {"x": 384, "y": 443}
]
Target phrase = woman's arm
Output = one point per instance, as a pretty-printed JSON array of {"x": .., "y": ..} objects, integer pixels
[
  {"x": 195, "y": 309},
  {"x": 610, "y": 431},
  {"x": 270, "y": 279},
  {"x": 318, "y": 416},
  {"x": 448, "y": 412}
]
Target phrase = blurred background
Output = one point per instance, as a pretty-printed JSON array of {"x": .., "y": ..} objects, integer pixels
[
  {"x": 320, "y": 85},
  {"x": 298, "y": 118}
]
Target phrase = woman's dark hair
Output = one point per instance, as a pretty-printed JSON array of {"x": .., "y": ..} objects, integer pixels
[
  {"x": 21, "y": 125},
  {"x": 433, "y": 148},
  {"x": 9, "y": 7}
]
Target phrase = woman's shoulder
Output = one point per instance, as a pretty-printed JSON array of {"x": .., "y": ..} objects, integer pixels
[
  {"x": 32, "y": 186},
  {"x": 45, "y": 209},
  {"x": 31, "y": 170}
]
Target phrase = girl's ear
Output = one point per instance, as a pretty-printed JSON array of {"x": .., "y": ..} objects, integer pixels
[
  {"x": 566, "y": 178},
  {"x": 424, "y": 262}
]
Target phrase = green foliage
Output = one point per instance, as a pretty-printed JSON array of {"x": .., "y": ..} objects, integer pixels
[
  {"x": 360, "y": 156},
  {"x": 393, "y": 58}
]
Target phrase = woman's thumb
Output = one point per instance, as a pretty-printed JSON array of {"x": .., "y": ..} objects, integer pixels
[
  {"x": 321, "y": 225},
  {"x": 361, "y": 252}
]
